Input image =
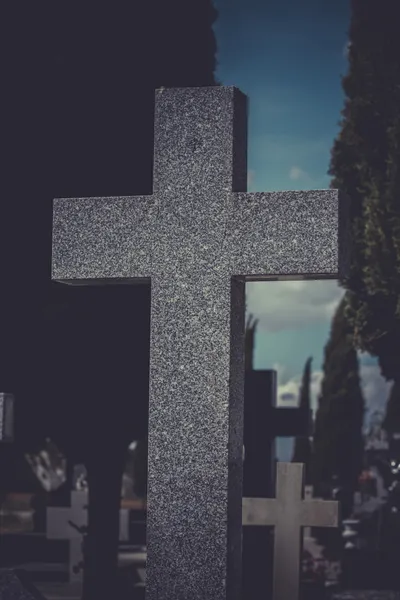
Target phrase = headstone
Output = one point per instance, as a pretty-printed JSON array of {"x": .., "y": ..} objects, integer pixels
[
  {"x": 15, "y": 585},
  {"x": 6, "y": 417},
  {"x": 198, "y": 238},
  {"x": 264, "y": 421},
  {"x": 59, "y": 527},
  {"x": 288, "y": 513}
]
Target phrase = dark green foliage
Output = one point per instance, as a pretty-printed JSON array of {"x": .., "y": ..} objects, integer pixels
[
  {"x": 305, "y": 400},
  {"x": 366, "y": 165},
  {"x": 249, "y": 342},
  {"x": 302, "y": 445},
  {"x": 391, "y": 423},
  {"x": 338, "y": 439}
]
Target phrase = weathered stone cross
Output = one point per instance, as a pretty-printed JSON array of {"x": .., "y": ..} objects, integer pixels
[
  {"x": 288, "y": 513},
  {"x": 197, "y": 239}
]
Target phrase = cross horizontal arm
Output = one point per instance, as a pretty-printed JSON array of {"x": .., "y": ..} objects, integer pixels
[
  {"x": 320, "y": 513},
  {"x": 58, "y": 527},
  {"x": 103, "y": 238},
  {"x": 289, "y": 233},
  {"x": 259, "y": 511}
]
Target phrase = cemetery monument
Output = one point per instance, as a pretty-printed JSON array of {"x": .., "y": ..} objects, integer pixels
[
  {"x": 66, "y": 523},
  {"x": 197, "y": 239},
  {"x": 288, "y": 513}
]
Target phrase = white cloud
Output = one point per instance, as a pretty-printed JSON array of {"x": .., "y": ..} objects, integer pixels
[
  {"x": 288, "y": 393},
  {"x": 282, "y": 305},
  {"x": 250, "y": 177},
  {"x": 277, "y": 159},
  {"x": 346, "y": 49},
  {"x": 375, "y": 389},
  {"x": 298, "y": 174},
  {"x": 282, "y": 373}
]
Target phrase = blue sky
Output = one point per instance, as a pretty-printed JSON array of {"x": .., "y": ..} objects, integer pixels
[{"x": 288, "y": 56}]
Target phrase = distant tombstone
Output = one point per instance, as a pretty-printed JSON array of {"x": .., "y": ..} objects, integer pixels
[
  {"x": 6, "y": 417},
  {"x": 288, "y": 513},
  {"x": 64, "y": 522},
  {"x": 15, "y": 585},
  {"x": 264, "y": 421}
]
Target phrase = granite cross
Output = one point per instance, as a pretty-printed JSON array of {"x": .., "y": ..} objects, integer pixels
[
  {"x": 288, "y": 513},
  {"x": 197, "y": 239},
  {"x": 63, "y": 523}
]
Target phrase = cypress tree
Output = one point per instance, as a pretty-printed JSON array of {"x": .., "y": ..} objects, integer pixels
[
  {"x": 338, "y": 438},
  {"x": 391, "y": 423},
  {"x": 302, "y": 445},
  {"x": 249, "y": 342},
  {"x": 366, "y": 165}
]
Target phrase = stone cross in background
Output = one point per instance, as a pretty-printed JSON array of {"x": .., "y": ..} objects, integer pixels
[
  {"x": 264, "y": 421},
  {"x": 197, "y": 239},
  {"x": 288, "y": 513},
  {"x": 62, "y": 524}
]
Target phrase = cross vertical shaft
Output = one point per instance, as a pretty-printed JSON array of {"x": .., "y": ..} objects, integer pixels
[
  {"x": 287, "y": 534},
  {"x": 197, "y": 325}
]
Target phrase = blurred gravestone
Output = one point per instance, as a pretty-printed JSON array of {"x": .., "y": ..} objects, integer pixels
[
  {"x": 263, "y": 422},
  {"x": 68, "y": 523}
]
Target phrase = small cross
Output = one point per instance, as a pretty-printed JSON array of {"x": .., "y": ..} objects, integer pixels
[
  {"x": 288, "y": 513},
  {"x": 59, "y": 519}
]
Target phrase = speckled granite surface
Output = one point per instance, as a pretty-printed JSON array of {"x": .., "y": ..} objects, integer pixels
[
  {"x": 16, "y": 586},
  {"x": 198, "y": 237}
]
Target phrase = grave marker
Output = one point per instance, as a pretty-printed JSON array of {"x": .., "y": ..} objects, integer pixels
[
  {"x": 263, "y": 422},
  {"x": 288, "y": 513},
  {"x": 58, "y": 527},
  {"x": 197, "y": 239}
]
